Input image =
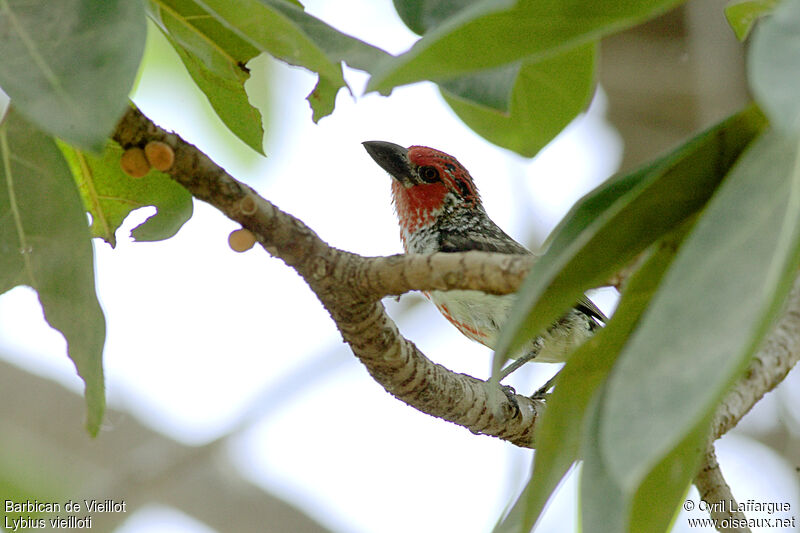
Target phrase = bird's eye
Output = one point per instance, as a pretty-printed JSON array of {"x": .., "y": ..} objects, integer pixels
[{"x": 429, "y": 174}]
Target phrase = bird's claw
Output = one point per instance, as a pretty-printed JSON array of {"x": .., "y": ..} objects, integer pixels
[
  {"x": 540, "y": 394},
  {"x": 511, "y": 394}
]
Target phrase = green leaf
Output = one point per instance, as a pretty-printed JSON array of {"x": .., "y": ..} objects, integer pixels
[
  {"x": 655, "y": 504},
  {"x": 110, "y": 195},
  {"x": 717, "y": 301},
  {"x": 205, "y": 34},
  {"x": 485, "y": 91},
  {"x": 604, "y": 507},
  {"x": 228, "y": 98},
  {"x": 546, "y": 96},
  {"x": 773, "y": 66},
  {"x": 490, "y": 88},
  {"x": 422, "y": 15},
  {"x": 68, "y": 65},
  {"x": 225, "y": 34},
  {"x": 560, "y": 430},
  {"x": 491, "y": 33},
  {"x": 322, "y": 99},
  {"x": 45, "y": 243},
  {"x": 742, "y": 15},
  {"x": 609, "y": 226},
  {"x": 215, "y": 59},
  {"x": 336, "y": 45}
]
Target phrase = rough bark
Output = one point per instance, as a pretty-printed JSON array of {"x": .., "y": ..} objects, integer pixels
[{"x": 350, "y": 287}]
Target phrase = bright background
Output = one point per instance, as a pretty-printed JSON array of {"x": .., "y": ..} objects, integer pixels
[{"x": 206, "y": 344}]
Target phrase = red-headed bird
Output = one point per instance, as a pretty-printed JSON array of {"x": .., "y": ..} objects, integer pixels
[{"x": 439, "y": 210}]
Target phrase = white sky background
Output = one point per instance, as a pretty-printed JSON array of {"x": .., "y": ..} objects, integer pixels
[{"x": 200, "y": 338}]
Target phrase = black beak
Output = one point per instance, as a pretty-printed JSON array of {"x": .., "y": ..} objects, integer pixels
[{"x": 393, "y": 158}]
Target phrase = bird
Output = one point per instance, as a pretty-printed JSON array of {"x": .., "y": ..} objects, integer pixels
[{"x": 439, "y": 210}]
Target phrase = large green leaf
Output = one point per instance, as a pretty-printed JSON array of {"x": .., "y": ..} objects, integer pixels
[
  {"x": 656, "y": 503},
  {"x": 224, "y": 34},
  {"x": 68, "y": 65},
  {"x": 547, "y": 94},
  {"x": 714, "y": 306},
  {"x": 559, "y": 432},
  {"x": 619, "y": 219},
  {"x": 45, "y": 243},
  {"x": 109, "y": 195},
  {"x": 773, "y": 66},
  {"x": 604, "y": 507},
  {"x": 491, "y": 33}
]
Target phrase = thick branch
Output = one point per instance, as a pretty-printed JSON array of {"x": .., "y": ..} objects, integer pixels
[
  {"x": 398, "y": 274},
  {"x": 350, "y": 288}
]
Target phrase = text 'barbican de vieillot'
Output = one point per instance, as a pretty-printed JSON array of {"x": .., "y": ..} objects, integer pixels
[
  {"x": 92, "y": 506},
  {"x": 70, "y": 521}
]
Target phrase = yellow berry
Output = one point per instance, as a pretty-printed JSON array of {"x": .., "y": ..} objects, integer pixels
[
  {"x": 159, "y": 155},
  {"x": 241, "y": 240},
  {"x": 134, "y": 163}
]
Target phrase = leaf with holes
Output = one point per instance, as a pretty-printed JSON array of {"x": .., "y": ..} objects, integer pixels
[{"x": 110, "y": 195}]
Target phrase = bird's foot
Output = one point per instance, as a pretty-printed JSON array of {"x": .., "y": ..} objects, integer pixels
[
  {"x": 542, "y": 392},
  {"x": 504, "y": 408}
]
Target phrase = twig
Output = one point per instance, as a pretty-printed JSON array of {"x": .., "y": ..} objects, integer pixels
[{"x": 716, "y": 492}]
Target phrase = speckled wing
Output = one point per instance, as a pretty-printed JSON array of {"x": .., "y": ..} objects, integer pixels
[
  {"x": 486, "y": 240},
  {"x": 498, "y": 241}
]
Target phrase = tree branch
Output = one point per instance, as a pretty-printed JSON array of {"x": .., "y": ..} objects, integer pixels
[
  {"x": 716, "y": 492},
  {"x": 350, "y": 287}
]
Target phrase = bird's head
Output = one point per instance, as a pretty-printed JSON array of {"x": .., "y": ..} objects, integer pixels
[{"x": 425, "y": 182}]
